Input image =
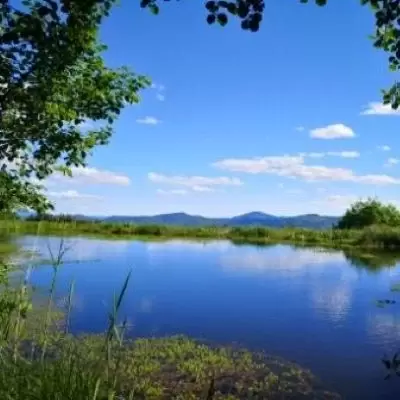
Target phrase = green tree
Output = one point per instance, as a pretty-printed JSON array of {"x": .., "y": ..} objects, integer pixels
[
  {"x": 370, "y": 212},
  {"x": 17, "y": 193},
  {"x": 53, "y": 80}
]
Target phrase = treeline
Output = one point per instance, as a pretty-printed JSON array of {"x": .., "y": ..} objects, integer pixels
[
  {"x": 54, "y": 218},
  {"x": 382, "y": 237},
  {"x": 365, "y": 224}
]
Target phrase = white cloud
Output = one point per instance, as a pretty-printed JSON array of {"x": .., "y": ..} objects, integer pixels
[
  {"x": 313, "y": 155},
  {"x": 158, "y": 86},
  {"x": 384, "y": 148},
  {"x": 160, "y": 95},
  {"x": 195, "y": 183},
  {"x": 73, "y": 194},
  {"x": 257, "y": 165},
  {"x": 148, "y": 121},
  {"x": 391, "y": 161},
  {"x": 180, "y": 192},
  {"x": 294, "y": 167},
  {"x": 335, "y": 131},
  {"x": 343, "y": 154},
  {"x": 87, "y": 175},
  {"x": 376, "y": 108},
  {"x": 202, "y": 189}
]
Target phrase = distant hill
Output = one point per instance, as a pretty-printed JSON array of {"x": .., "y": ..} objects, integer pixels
[
  {"x": 181, "y": 219},
  {"x": 314, "y": 221}
]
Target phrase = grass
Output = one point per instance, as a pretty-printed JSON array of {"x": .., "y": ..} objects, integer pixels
[
  {"x": 40, "y": 359},
  {"x": 378, "y": 237}
]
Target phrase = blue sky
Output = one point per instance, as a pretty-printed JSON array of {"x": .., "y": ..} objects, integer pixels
[{"x": 287, "y": 120}]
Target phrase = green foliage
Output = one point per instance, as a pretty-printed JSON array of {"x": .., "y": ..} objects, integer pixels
[
  {"x": 387, "y": 37},
  {"x": 17, "y": 193},
  {"x": 368, "y": 213},
  {"x": 53, "y": 81}
]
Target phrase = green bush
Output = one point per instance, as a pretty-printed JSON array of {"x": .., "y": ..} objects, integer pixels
[{"x": 370, "y": 212}]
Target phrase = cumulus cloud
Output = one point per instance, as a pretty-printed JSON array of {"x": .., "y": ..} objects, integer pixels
[
  {"x": 87, "y": 175},
  {"x": 73, "y": 194},
  {"x": 384, "y": 148},
  {"x": 148, "y": 121},
  {"x": 294, "y": 167},
  {"x": 335, "y": 131},
  {"x": 376, "y": 108},
  {"x": 195, "y": 183}
]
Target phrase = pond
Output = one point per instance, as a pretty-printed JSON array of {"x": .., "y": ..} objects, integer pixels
[{"x": 313, "y": 307}]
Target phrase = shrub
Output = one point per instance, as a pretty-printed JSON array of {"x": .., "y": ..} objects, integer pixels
[{"x": 370, "y": 212}]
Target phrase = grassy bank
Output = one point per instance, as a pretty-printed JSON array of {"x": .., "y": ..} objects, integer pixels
[
  {"x": 379, "y": 237},
  {"x": 40, "y": 359}
]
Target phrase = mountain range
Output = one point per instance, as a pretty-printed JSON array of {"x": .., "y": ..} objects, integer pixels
[{"x": 255, "y": 218}]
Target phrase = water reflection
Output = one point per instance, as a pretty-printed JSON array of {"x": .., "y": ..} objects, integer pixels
[
  {"x": 384, "y": 329},
  {"x": 291, "y": 261},
  {"x": 308, "y": 305},
  {"x": 333, "y": 302},
  {"x": 372, "y": 260},
  {"x": 77, "y": 249}
]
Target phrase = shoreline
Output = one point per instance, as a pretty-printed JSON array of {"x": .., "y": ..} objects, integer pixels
[{"x": 372, "y": 238}]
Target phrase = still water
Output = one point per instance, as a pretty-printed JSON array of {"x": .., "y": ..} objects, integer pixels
[{"x": 312, "y": 307}]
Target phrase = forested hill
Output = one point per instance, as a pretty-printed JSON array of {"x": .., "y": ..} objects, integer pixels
[{"x": 254, "y": 218}]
